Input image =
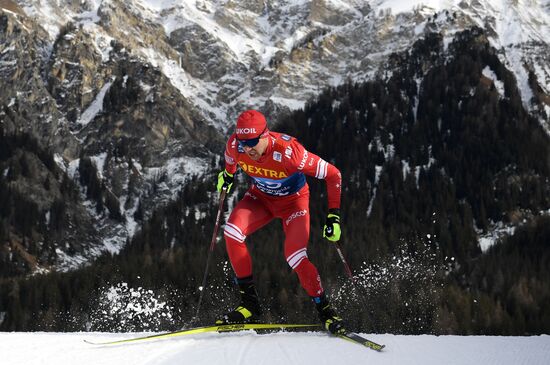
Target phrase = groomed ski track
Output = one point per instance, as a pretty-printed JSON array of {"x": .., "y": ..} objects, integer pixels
[{"x": 266, "y": 349}]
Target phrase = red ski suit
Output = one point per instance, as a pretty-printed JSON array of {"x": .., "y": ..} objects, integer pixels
[{"x": 279, "y": 190}]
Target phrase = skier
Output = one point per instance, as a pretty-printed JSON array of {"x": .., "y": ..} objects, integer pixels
[{"x": 277, "y": 164}]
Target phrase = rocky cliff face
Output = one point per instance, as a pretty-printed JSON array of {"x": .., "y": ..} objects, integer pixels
[
  {"x": 77, "y": 100},
  {"x": 26, "y": 103},
  {"x": 224, "y": 56},
  {"x": 147, "y": 90}
]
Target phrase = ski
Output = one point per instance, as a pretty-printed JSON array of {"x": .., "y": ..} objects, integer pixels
[
  {"x": 355, "y": 338},
  {"x": 219, "y": 328}
]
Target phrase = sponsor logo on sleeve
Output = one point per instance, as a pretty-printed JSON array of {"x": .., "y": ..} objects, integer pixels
[
  {"x": 285, "y": 137},
  {"x": 230, "y": 160},
  {"x": 277, "y": 156},
  {"x": 288, "y": 152},
  {"x": 303, "y": 162}
]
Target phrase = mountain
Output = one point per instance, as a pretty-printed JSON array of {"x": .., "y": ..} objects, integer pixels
[{"x": 226, "y": 55}]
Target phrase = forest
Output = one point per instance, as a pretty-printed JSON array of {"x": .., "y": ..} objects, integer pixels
[{"x": 431, "y": 157}]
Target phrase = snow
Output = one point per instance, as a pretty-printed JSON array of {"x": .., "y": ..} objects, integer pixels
[
  {"x": 125, "y": 306},
  {"x": 188, "y": 86},
  {"x": 178, "y": 169},
  {"x": 378, "y": 171},
  {"x": 187, "y": 12},
  {"x": 91, "y": 16},
  {"x": 292, "y": 104},
  {"x": 401, "y": 6},
  {"x": 278, "y": 348},
  {"x": 516, "y": 22},
  {"x": 499, "y": 85},
  {"x": 69, "y": 262},
  {"x": 494, "y": 234},
  {"x": 114, "y": 244},
  {"x": 95, "y": 107},
  {"x": 99, "y": 162},
  {"x": 406, "y": 168}
]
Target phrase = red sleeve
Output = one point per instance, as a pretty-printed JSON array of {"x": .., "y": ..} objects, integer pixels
[
  {"x": 312, "y": 165},
  {"x": 230, "y": 154}
]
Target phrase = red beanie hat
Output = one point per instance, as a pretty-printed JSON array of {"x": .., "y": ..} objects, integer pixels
[{"x": 251, "y": 124}]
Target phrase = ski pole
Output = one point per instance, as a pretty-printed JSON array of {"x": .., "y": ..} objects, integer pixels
[
  {"x": 211, "y": 250},
  {"x": 346, "y": 265},
  {"x": 339, "y": 250}
]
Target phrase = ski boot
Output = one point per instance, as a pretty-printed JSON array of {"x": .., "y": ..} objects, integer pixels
[
  {"x": 248, "y": 310},
  {"x": 330, "y": 320}
]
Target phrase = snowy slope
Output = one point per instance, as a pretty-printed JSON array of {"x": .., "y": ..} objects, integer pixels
[{"x": 279, "y": 348}]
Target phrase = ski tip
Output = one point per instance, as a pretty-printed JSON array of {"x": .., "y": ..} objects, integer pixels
[
  {"x": 380, "y": 348},
  {"x": 358, "y": 339},
  {"x": 90, "y": 342},
  {"x": 376, "y": 347},
  {"x": 118, "y": 342}
]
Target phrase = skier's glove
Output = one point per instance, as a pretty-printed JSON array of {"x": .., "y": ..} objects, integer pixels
[
  {"x": 332, "y": 231},
  {"x": 225, "y": 181}
]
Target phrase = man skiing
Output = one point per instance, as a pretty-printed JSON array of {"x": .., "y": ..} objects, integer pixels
[{"x": 277, "y": 164}]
